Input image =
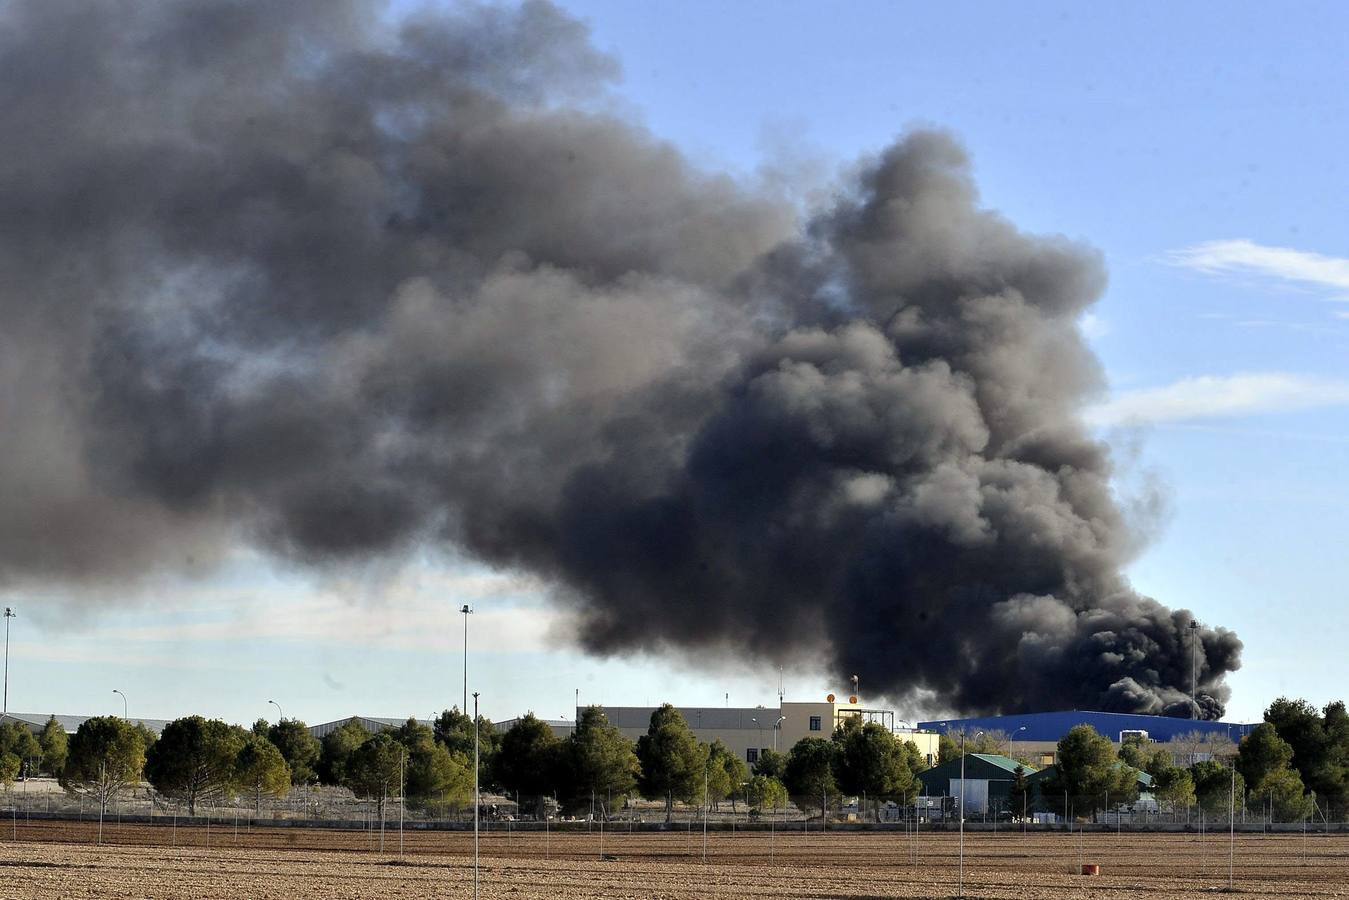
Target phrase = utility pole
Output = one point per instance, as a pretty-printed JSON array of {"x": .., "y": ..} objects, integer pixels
[
  {"x": 477, "y": 800},
  {"x": 466, "y": 611},
  {"x": 9, "y": 614},
  {"x": 1194, "y": 660}
]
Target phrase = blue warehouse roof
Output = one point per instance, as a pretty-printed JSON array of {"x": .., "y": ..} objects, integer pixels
[{"x": 1051, "y": 726}]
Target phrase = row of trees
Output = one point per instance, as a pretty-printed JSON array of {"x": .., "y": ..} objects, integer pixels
[
  {"x": 197, "y": 760},
  {"x": 1297, "y": 755},
  {"x": 1089, "y": 773},
  {"x": 668, "y": 763}
]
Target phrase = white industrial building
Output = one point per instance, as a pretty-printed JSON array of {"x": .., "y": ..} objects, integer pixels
[{"x": 748, "y": 731}]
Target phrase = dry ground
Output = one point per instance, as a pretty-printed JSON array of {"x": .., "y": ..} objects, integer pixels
[{"x": 59, "y": 859}]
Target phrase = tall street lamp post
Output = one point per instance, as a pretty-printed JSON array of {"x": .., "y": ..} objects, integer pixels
[
  {"x": 124, "y": 704},
  {"x": 9, "y": 614},
  {"x": 1011, "y": 740},
  {"x": 977, "y": 735},
  {"x": 477, "y": 800},
  {"x": 467, "y": 612},
  {"x": 279, "y": 715}
]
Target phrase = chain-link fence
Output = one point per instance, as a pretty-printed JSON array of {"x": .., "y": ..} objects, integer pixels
[{"x": 328, "y": 804}]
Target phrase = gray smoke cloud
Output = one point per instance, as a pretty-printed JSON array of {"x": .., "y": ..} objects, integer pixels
[{"x": 335, "y": 285}]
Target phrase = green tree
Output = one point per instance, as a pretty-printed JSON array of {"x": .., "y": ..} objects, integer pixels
[
  {"x": 105, "y": 756},
  {"x": 671, "y": 759},
  {"x": 261, "y": 727},
  {"x": 773, "y": 764},
  {"x": 298, "y": 747},
  {"x": 1334, "y": 782},
  {"x": 261, "y": 770},
  {"x": 18, "y": 739},
  {"x": 1090, "y": 773},
  {"x": 994, "y": 741},
  {"x": 9, "y": 768},
  {"x": 914, "y": 759},
  {"x": 718, "y": 784},
  {"x": 1018, "y": 793},
  {"x": 375, "y": 768},
  {"x": 1262, "y": 751},
  {"x": 336, "y": 749},
  {"x": 872, "y": 762},
  {"x": 809, "y": 774},
  {"x": 737, "y": 773},
  {"x": 527, "y": 760},
  {"x": 947, "y": 749},
  {"x": 767, "y": 792},
  {"x": 1287, "y": 794},
  {"x": 601, "y": 763},
  {"x": 1159, "y": 761},
  {"x": 433, "y": 774},
  {"x": 1214, "y": 786},
  {"x": 55, "y": 745},
  {"x": 194, "y": 760},
  {"x": 455, "y": 730},
  {"x": 1173, "y": 788},
  {"x": 1135, "y": 753},
  {"x": 1303, "y": 728}
]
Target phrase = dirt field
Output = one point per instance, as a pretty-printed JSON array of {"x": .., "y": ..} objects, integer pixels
[{"x": 60, "y": 859}]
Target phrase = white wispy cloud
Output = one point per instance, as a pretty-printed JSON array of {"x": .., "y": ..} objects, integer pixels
[
  {"x": 1244, "y": 258},
  {"x": 1218, "y": 396}
]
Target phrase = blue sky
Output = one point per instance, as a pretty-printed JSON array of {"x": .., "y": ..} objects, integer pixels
[{"x": 1199, "y": 147}]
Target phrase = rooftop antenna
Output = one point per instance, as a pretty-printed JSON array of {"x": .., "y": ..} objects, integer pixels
[{"x": 780, "y": 693}]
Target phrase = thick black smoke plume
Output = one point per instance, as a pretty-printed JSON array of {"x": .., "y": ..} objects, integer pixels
[{"x": 299, "y": 275}]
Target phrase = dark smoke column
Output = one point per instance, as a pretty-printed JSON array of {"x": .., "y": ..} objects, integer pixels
[
  {"x": 904, "y": 476},
  {"x": 335, "y": 286}
]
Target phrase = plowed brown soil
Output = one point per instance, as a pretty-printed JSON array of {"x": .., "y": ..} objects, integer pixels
[{"x": 61, "y": 859}]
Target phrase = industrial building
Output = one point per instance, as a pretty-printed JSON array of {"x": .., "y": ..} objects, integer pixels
[
  {"x": 372, "y": 724},
  {"x": 70, "y": 724},
  {"x": 561, "y": 728},
  {"x": 1035, "y": 736},
  {"x": 988, "y": 781},
  {"x": 748, "y": 731}
]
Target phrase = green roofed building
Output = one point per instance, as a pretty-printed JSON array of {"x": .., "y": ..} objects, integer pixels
[{"x": 988, "y": 780}]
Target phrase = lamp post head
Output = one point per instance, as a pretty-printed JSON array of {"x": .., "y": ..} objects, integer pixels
[{"x": 464, "y": 609}]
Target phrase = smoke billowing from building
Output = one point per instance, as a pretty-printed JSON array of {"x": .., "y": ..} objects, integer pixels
[{"x": 300, "y": 276}]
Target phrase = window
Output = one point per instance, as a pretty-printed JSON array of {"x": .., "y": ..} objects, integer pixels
[
  {"x": 814, "y": 723},
  {"x": 751, "y": 755}
]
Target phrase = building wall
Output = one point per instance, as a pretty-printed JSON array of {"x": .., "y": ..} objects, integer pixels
[
  {"x": 1050, "y": 726},
  {"x": 735, "y": 727},
  {"x": 743, "y": 729}
]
